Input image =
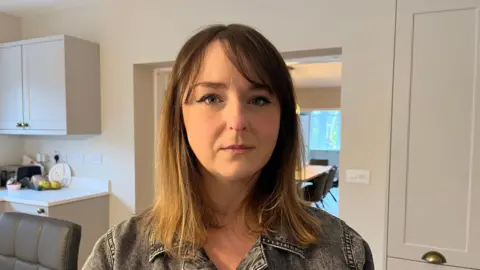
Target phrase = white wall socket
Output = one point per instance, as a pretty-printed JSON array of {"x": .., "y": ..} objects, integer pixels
[{"x": 62, "y": 156}]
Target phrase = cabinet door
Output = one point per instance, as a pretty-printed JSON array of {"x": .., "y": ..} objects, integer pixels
[
  {"x": 91, "y": 214},
  {"x": 11, "y": 108},
  {"x": 398, "y": 264},
  {"x": 44, "y": 85},
  {"x": 435, "y": 154}
]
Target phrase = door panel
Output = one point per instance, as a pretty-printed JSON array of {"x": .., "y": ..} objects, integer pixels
[
  {"x": 435, "y": 174},
  {"x": 44, "y": 85},
  {"x": 398, "y": 264},
  {"x": 11, "y": 111}
]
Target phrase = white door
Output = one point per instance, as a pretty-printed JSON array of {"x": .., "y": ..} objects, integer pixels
[
  {"x": 397, "y": 264},
  {"x": 44, "y": 85},
  {"x": 435, "y": 155},
  {"x": 11, "y": 107}
]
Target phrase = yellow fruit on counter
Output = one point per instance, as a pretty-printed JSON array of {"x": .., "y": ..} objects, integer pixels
[
  {"x": 44, "y": 184},
  {"x": 55, "y": 185}
]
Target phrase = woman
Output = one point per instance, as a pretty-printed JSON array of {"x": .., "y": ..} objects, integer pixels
[{"x": 226, "y": 195}]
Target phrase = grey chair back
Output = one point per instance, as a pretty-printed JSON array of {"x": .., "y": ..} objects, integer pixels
[
  {"x": 329, "y": 180},
  {"x": 314, "y": 192},
  {"x": 29, "y": 242}
]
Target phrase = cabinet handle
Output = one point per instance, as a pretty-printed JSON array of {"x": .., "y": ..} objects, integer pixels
[
  {"x": 40, "y": 211},
  {"x": 25, "y": 124},
  {"x": 19, "y": 124},
  {"x": 434, "y": 257}
]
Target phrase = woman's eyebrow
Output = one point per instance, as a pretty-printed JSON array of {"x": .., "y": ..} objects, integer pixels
[
  {"x": 221, "y": 85},
  {"x": 214, "y": 85},
  {"x": 260, "y": 86}
]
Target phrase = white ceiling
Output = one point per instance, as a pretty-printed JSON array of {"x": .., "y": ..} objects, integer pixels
[
  {"x": 316, "y": 75},
  {"x": 27, "y": 8}
]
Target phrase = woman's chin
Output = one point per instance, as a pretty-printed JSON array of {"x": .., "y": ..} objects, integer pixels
[{"x": 236, "y": 175}]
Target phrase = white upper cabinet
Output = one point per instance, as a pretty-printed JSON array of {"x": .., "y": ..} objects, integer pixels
[
  {"x": 44, "y": 95},
  {"x": 54, "y": 88},
  {"x": 11, "y": 108},
  {"x": 435, "y": 156}
]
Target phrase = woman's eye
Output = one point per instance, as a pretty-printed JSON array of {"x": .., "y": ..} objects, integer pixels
[
  {"x": 260, "y": 101},
  {"x": 209, "y": 99}
]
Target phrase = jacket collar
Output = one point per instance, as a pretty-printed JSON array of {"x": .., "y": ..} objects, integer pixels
[{"x": 279, "y": 241}]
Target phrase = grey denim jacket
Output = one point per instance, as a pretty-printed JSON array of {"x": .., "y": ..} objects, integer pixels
[{"x": 123, "y": 248}]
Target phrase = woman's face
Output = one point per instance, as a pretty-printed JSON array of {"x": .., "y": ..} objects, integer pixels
[{"x": 232, "y": 125}]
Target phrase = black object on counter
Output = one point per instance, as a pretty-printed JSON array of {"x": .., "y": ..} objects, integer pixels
[{"x": 28, "y": 171}]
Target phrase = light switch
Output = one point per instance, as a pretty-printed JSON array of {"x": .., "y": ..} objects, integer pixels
[{"x": 358, "y": 176}]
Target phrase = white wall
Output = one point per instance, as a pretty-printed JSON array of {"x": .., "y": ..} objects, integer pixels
[
  {"x": 145, "y": 31},
  {"x": 10, "y": 28},
  {"x": 318, "y": 98},
  {"x": 11, "y": 147}
]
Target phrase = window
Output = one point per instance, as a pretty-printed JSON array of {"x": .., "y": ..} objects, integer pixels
[{"x": 325, "y": 130}]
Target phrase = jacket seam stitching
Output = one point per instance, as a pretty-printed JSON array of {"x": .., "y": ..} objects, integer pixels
[
  {"x": 111, "y": 246},
  {"x": 265, "y": 264},
  {"x": 284, "y": 246},
  {"x": 348, "y": 247},
  {"x": 287, "y": 249}
]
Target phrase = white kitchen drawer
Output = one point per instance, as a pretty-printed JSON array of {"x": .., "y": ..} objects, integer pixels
[
  {"x": 26, "y": 208},
  {"x": 400, "y": 264}
]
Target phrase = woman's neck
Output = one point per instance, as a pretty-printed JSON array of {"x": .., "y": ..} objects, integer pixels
[{"x": 226, "y": 197}]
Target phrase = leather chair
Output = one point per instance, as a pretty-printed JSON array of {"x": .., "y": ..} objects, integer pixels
[
  {"x": 314, "y": 192},
  {"x": 329, "y": 183},
  {"x": 29, "y": 242}
]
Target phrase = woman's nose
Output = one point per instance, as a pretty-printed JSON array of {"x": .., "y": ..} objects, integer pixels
[{"x": 235, "y": 116}]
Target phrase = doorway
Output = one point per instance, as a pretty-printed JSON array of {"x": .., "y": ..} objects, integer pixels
[{"x": 317, "y": 83}]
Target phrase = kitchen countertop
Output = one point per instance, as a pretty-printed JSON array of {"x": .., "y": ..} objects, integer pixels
[{"x": 80, "y": 189}]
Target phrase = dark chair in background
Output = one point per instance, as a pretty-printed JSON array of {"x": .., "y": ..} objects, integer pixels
[
  {"x": 320, "y": 187},
  {"x": 35, "y": 242},
  {"x": 336, "y": 183},
  {"x": 314, "y": 192},
  {"x": 323, "y": 162},
  {"x": 329, "y": 183}
]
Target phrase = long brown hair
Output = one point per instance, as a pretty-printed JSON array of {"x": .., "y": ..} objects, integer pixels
[{"x": 179, "y": 215}]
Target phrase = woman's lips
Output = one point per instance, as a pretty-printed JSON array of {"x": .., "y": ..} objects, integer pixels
[{"x": 238, "y": 148}]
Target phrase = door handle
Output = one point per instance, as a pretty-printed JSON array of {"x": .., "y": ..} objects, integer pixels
[{"x": 434, "y": 257}]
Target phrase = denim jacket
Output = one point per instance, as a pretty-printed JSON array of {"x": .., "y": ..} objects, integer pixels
[{"x": 124, "y": 248}]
